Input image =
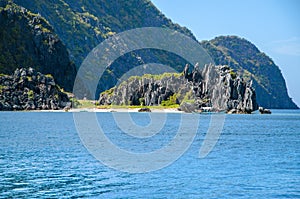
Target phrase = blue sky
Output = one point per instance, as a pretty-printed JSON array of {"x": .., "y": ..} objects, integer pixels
[{"x": 272, "y": 25}]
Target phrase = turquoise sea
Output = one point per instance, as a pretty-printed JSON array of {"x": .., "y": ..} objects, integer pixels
[{"x": 257, "y": 156}]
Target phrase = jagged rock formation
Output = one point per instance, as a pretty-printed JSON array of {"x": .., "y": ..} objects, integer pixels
[
  {"x": 27, "y": 89},
  {"x": 147, "y": 90},
  {"x": 217, "y": 87},
  {"x": 251, "y": 64},
  {"x": 28, "y": 40}
]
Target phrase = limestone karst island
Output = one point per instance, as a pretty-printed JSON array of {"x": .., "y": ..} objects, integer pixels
[
  {"x": 118, "y": 99},
  {"x": 42, "y": 49}
]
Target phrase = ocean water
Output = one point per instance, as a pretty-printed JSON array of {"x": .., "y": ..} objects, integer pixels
[{"x": 256, "y": 156}]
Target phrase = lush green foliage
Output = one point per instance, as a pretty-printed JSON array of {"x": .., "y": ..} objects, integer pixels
[
  {"x": 109, "y": 91},
  {"x": 30, "y": 94},
  {"x": 155, "y": 77},
  {"x": 161, "y": 76},
  {"x": 233, "y": 74},
  {"x": 2, "y": 87},
  {"x": 75, "y": 102},
  {"x": 142, "y": 101},
  {"x": 170, "y": 102},
  {"x": 83, "y": 24}
]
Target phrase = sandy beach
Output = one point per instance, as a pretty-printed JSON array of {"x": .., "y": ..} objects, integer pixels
[
  {"x": 131, "y": 110},
  {"x": 108, "y": 110}
]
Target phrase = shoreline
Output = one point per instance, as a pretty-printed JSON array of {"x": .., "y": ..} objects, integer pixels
[
  {"x": 107, "y": 110},
  {"x": 135, "y": 110},
  {"x": 124, "y": 110}
]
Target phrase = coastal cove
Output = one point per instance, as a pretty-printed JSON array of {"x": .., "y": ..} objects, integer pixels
[
  {"x": 256, "y": 156},
  {"x": 115, "y": 99}
]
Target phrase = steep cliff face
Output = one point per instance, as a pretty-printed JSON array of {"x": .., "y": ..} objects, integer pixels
[
  {"x": 227, "y": 91},
  {"x": 216, "y": 87},
  {"x": 27, "y": 40},
  {"x": 250, "y": 63}
]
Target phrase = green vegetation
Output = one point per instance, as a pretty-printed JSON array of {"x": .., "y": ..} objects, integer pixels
[
  {"x": 151, "y": 76},
  {"x": 75, "y": 102},
  {"x": 188, "y": 97},
  {"x": 205, "y": 100},
  {"x": 142, "y": 101},
  {"x": 233, "y": 74},
  {"x": 172, "y": 100},
  {"x": 109, "y": 92},
  {"x": 84, "y": 103},
  {"x": 161, "y": 76},
  {"x": 30, "y": 94},
  {"x": 188, "y": 101},
  {"x": 49, "y": 76},
  {"x": 2, "y": 87},
  {"x": 247, "y": 75}
]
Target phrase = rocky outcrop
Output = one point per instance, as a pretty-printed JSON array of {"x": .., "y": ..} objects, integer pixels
[
  {"x": 144, "y": 110},
  {"x": 215, "y": 88},
  {"x": 243, "y": 56},
  {"x": 263, "y": 110},
  {"x": 227, "y": 91},
  {"x": 28, "y": 40},
  {"x": 27, "y": 89},
  {"x": 146, "y": 90}
]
